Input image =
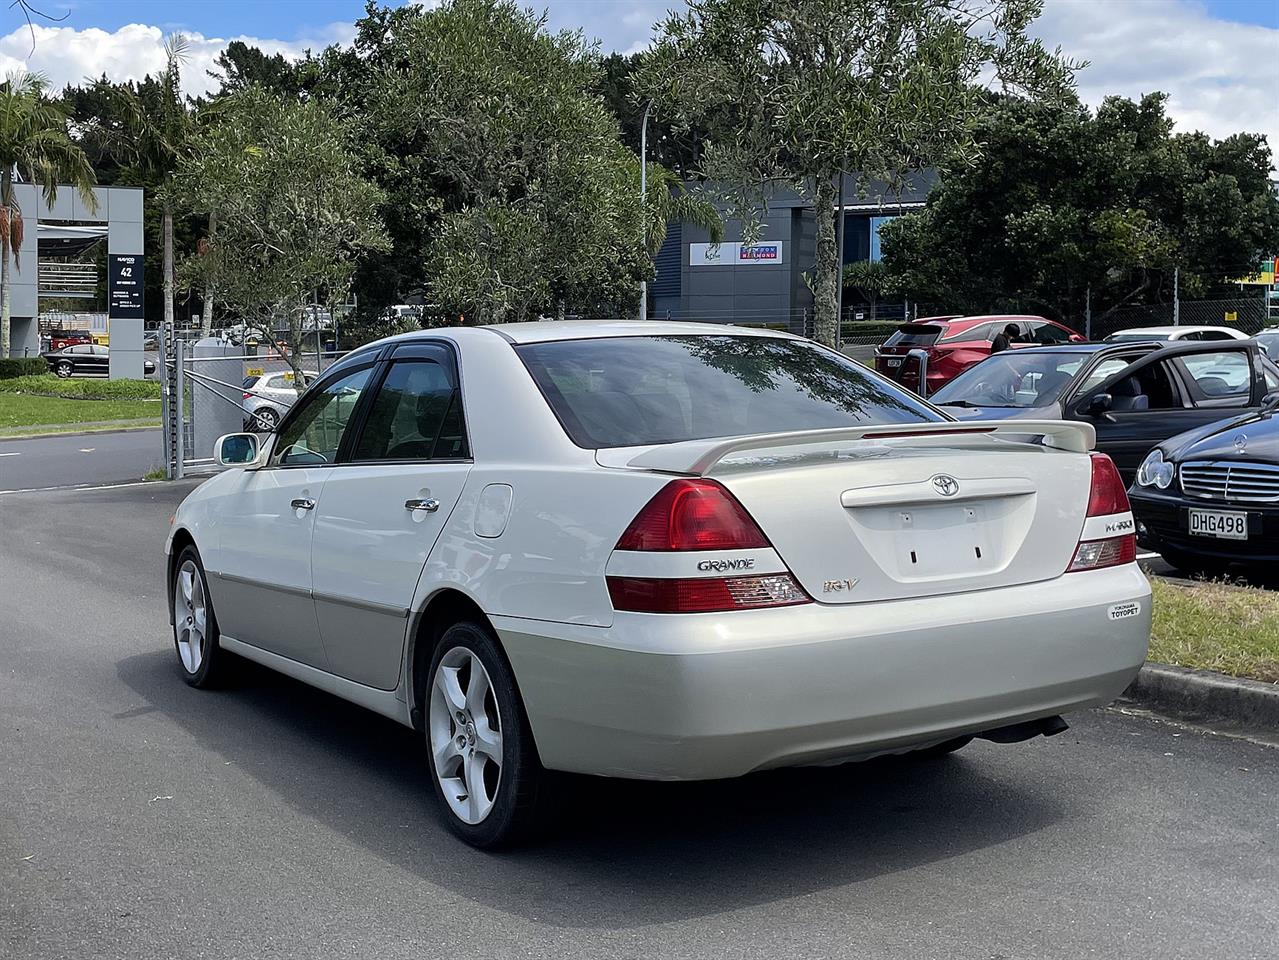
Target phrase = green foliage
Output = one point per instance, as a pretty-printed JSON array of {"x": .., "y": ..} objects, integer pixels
[
  {"x": 1066, "y": 199},
  {"x": 294, "y": 214},
  {"x": 798, "y": 90},
  {"x": 11, "y": 367},
  {"x": 42, "y": 383}
]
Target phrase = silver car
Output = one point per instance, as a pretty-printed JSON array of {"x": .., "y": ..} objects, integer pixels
[{"x": 268, "y": 397}]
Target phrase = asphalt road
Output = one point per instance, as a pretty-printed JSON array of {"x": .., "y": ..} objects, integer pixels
[
  {"x": 140, "y": 818},
  {"x": 77, "y": 459}
]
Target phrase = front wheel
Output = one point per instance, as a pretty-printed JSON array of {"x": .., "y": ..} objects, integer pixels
[
  {"x": 64, "y": 369},
  {"x": 195, "y": 628},
  {"x": 484, "y": 765}
]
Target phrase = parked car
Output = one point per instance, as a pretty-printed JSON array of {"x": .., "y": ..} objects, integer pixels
[
  {"x": 84, "y": 358},
  {"x": 57, "y": 339},
  {"x": 1268, "y": 340},
  {"x": 267, "y": 397},
  {"x": 1135, "y": 395},
  {"x": 1176, "y": 334},
  {"x": 656, "y": 550},
  {"x": 955, "y": 343},
  {"x": 1210, "y": 497}
]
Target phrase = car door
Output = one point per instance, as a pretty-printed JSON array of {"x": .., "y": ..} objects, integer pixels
[
  {"x": 383, "y": 508},
  {"x": 1155, "y": 398},
  {"x": 265, "y": 523},
  {"x": 99, "y": 359}
]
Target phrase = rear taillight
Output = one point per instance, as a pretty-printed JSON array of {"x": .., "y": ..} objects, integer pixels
[
  {"x": 247, "y": 395},
  {"x": 1108, "y": 503},
  {"x": 698, "y": 515},
  {"x": 693, "y": 515},
  {"x": 703, "y": 594}
]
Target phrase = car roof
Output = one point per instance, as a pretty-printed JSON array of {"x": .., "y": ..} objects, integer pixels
[
  {"x": 1076, "y": 348},
  {"x": 543, "y": 331},
  {"x": 1142, "y": 331}
]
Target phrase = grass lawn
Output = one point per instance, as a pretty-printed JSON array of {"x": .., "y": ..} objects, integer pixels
[
  {"x": 25, "y": 410},
  {"x": 1214, "y": 626},
  {"x": 82, "y": 388}
]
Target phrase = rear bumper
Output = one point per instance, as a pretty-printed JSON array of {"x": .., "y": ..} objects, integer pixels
[
  {"x": 719, "y": 695},
  {"x": 1163, "y": 524}
]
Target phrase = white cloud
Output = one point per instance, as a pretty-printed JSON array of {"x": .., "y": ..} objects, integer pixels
[
  {"x": 1221, "y": 77},
  {"x": 67, "y": 55}
]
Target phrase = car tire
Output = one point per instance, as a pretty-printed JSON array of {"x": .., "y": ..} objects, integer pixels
[
  {"x": 486, "y": 803},
  {"x": 64, "y": 369},
  {"x": 942, "y": 749},
  {"x": 199, "y": 654},
  {"x": 264, "y": 420}
]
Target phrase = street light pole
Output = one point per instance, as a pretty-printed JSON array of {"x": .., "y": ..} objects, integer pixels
[{"x": 643, "y": 306}]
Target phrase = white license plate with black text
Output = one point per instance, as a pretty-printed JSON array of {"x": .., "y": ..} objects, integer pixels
[
  {"x": 1223, "y": 524},
  {"x": 893, "y": 361}
]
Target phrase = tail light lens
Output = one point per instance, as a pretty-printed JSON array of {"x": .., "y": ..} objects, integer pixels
[
  {"x": 1107, "y": 497},
  {"x": 247, "y": 395},
  {"x": 693, "y": 515},
  {"x": 698, "y": 515}
]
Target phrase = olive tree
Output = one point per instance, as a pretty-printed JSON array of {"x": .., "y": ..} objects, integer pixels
[
  {"x": 797, "y": 91},
  {"x": 294, "y": 215}
]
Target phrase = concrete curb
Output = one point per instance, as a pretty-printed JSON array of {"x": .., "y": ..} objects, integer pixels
[{"x": 1203, "y": 695}]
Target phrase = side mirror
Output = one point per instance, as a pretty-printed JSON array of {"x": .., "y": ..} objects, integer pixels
[
  {"x": 236, "y": 450},
  {"x": 1099, "y": 405}
]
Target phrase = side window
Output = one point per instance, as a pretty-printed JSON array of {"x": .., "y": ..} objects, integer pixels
[
  {"x": 315, "y": 433},
  {"x": 1048, "y": 333},
  {"x": 1103, "y": 371},
  {"x": 1214, "y": 335},
  {"x": 1218, "y": 379},
  {"x": 416, "y": 415}
]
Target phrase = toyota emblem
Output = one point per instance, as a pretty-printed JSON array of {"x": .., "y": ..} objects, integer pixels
[{"x": 946, "y": 485}]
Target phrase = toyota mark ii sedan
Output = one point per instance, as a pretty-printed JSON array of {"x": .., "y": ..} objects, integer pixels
[{"x": 660, "y": 551}]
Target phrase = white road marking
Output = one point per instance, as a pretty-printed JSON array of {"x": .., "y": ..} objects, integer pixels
[
  {"x": 1149, "y": 556},
  {"x": 10, "y": 454},
  {"x": 87, "y": 449},
  {"x": 91, "y": 486}
]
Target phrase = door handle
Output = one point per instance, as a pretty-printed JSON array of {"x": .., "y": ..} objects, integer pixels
[
  {"x": 303, "y": 503},
  {"x": 429, "y": 505}
]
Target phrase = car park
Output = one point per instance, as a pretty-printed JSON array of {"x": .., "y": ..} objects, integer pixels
[
  {"x": 656, "y": 551},
  {"x": 84, "y": 358},
  {"x": 1134, "y": 395},
  {"x": 953, "y": 344},
  {"x": 1176, "y": 334},
  {"x": 268, "y": 396},
  {"x": 1210, "y": 496}
]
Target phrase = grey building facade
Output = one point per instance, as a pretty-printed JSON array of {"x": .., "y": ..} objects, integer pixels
[
  {"x": 764, "y": 283},
  {"x": 69, "y": 224}
]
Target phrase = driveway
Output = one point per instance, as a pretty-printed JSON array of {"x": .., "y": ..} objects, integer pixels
[{"x": 140, "y": 818}]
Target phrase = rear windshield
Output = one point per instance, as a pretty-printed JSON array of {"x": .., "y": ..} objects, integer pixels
[
  {"x": 915, "y": 335},
  {"x": 630, "y": 391}
]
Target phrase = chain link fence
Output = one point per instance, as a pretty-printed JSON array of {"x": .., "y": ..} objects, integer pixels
[{"x": 1247, "y": 314}]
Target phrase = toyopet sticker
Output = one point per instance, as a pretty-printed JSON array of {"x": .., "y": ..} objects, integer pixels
[{"x": 1122, "y": 611}]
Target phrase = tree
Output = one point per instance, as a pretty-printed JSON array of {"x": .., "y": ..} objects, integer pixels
[
  {"x": 150, "y": 126},
  {"x": 1069, "y": 204},
  {"x": 799, "y": 90},
  {"x": 294, "y": 215},
  {"x": 36, "y": 148},
  {"x": 869, "y": 279},
  {"x": 240, "y": 66}
]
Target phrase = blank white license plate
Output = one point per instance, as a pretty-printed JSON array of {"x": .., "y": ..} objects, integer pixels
[
  {"x": 893, "y": 361},
  {"x": 1219, "y": 523}
]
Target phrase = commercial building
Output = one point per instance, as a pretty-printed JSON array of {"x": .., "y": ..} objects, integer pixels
[
  {"x": 64, "y": 266},
  {"x": 764, "y": 282}
]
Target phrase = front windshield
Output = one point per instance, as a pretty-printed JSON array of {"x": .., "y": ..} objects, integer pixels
[{"x": 1013, "y": 379}]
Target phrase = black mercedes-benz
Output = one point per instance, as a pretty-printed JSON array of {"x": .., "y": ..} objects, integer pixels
[{"x": 1210, "y": 496}]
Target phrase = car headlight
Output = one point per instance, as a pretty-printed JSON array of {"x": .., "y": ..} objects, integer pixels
[{"x": 1155, "y": 471}]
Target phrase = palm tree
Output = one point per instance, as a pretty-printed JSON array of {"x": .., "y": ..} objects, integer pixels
[
  {"x": 36, "y": 148},
  {"x": 151, "y": 129}
]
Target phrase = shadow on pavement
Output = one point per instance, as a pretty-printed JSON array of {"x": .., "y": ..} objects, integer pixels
[{"x": 619, "y": 854}]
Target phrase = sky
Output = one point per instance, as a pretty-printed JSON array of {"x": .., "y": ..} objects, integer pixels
[{"x": 1217, "y": 59}]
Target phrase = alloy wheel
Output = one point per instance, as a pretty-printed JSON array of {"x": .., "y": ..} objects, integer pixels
[
  {"x": 465, "y": 735},
  {"x": 190, "y": 616}
]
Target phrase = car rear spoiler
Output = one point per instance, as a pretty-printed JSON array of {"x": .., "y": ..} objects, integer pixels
[{"x": 698, "y": 457}]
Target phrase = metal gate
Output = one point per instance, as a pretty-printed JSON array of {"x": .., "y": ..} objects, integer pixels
[{"x": 207, "y": 394}]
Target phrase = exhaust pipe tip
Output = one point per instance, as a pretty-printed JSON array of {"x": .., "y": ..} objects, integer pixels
[{"x": 1017, "y": 732}]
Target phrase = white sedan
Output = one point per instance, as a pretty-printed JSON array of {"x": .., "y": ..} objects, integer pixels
[{"x": 661, "y": 551}]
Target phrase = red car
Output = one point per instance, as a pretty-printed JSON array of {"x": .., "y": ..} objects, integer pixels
[{"x": 955, "y": 343}]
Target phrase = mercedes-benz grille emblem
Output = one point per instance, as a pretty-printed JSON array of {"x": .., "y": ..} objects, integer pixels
[
  {"x": 1241, "y": 442},
  {"x": 947, "y": 486}
]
